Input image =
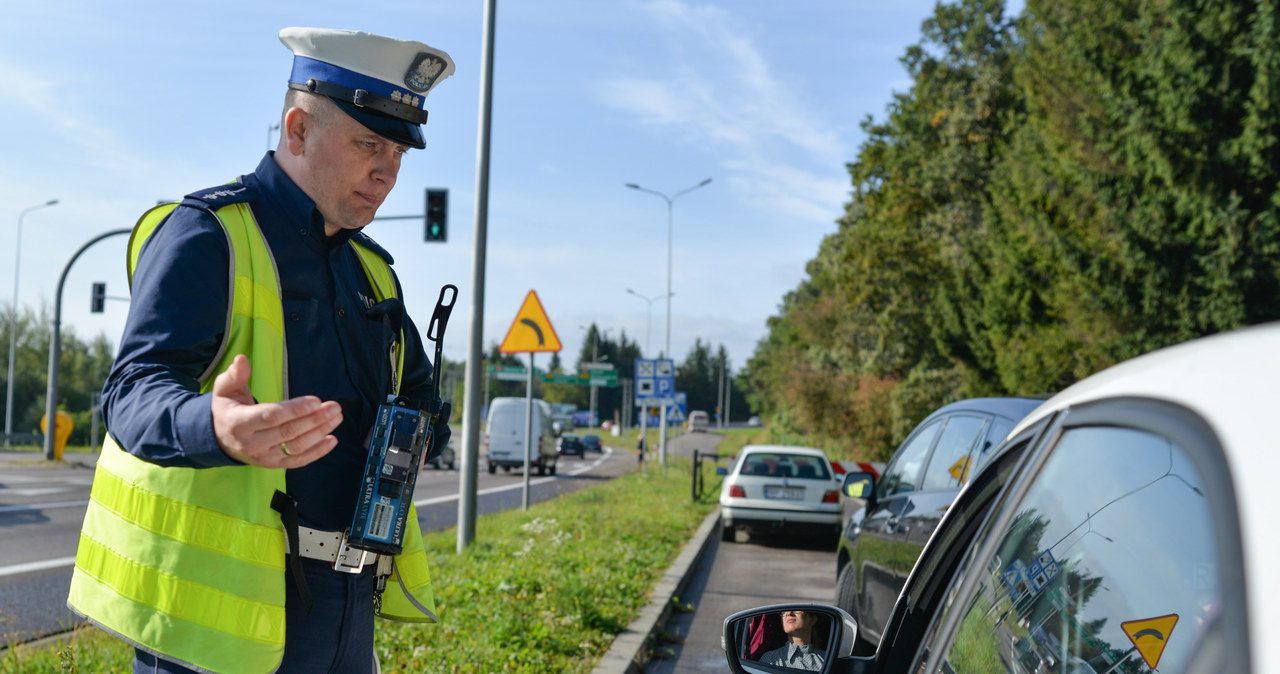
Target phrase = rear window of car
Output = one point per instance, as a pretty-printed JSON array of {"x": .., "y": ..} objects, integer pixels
[{"x": 779, "y": 464}]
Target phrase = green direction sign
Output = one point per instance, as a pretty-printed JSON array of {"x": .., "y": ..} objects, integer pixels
[
  {"x": 599, "y": 378},
  {"x": 513, "y": 372},
  {"x": 605, "y": 378},
  {"x": 561, "y": 379}
]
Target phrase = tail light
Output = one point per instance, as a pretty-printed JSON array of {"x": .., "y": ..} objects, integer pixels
[
  {"x": 484, "y": 442},
  {"x": 737, "y": 492},
  {"x": 831, "y": 497}
]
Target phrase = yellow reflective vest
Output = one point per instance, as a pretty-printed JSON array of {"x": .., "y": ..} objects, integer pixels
[{"x": 188, "y": 563}]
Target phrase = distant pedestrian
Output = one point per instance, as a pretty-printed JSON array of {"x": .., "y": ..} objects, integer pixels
[{"x": 640, "y": 450}]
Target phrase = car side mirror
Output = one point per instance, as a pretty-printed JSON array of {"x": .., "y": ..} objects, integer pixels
[
  {"x": 721, "y": 470},
  {"x": 858, "y": 485},
  {"x": 799, "y": 637}
]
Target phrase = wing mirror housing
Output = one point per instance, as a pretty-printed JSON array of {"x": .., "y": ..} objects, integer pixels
[
  {"x": 858, "y": 485},
  {"x": 781, "y": 637}
]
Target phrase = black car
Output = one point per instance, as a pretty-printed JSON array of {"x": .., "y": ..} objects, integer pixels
[
  {"x": 883, "y": 537},
  {"x": 592, "y": 443},
  {"x": 570, "y": 444}
]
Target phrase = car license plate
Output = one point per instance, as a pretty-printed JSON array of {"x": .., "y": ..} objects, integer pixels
[{"x": 787, "y": 493}]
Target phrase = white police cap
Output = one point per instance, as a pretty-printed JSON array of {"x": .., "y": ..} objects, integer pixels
[{"x": 381, "y": 82}]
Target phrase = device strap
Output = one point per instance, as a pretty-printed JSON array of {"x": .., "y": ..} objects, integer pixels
[{"x": 287, "y": 506}]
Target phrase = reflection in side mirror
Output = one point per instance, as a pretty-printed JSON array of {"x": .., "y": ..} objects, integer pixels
[
  {"x": 797, "y": 637},
  {"x": 858, "y": 485}
]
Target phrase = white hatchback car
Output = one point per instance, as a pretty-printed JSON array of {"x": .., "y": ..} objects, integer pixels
[{"x": 780, "y": 489}]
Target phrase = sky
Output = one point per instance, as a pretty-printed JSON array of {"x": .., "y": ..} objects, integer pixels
[{"x": 111, "y": 107}]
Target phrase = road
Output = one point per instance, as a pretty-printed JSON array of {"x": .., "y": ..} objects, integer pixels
[{"x": 42, "y": 507}]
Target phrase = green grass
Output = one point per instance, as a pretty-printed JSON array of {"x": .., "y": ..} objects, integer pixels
[{"x": 540, "y": 591}]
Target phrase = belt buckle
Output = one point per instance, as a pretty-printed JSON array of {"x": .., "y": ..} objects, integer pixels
[{"x": 351, "y": 560}]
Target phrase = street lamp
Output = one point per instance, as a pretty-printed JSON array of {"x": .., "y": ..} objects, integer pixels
[
  {"x": 670, "y": 201},
  {"x": 13, "y": 323},
  {"x": 662, "y": 446},
  {"x": 591, "y": 398},
  {"x": 648, "y": 330}
]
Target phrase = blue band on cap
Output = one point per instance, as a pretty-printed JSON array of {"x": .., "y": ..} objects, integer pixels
[{"x": 308, "y": 68}]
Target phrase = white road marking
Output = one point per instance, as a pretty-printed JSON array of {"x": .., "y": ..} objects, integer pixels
[
  {"x": 37, "y": 566},
  {"x": 42, "y": 506},
  {"x": 34, "y": 491},
  {"x": 608, "y": 451}
]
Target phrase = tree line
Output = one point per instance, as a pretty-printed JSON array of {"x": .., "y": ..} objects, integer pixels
[
  {"x": 1056, "y": 192},
  {"x": 82, "y": 368},
  {"x": 698, "y": 376}
]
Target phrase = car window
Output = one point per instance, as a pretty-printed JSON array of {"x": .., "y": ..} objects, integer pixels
[
  {"x": 1108, "y": 564},
  {"x": 949, "y": 464},
  {"x": 996, "y": 432},
  {"x": 780, "y": 464},
  {"x": 902, "y": 473}
]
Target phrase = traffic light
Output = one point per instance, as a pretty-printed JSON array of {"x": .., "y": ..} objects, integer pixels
[
  {"x": 99, "y": 298},
  {"x": 437, "y": 215}
]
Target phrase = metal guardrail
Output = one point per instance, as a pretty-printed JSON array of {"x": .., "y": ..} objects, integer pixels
[{"x": 11, "y": 439}]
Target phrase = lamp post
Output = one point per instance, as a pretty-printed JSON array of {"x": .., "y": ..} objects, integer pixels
[
  {"x": 13, "y": 323},
  {"x": 592, "y": 396},
  {"x": 662, "y": 439},
  {"x": 670, "y": 202},
  {"x": 648, "y": 330}
]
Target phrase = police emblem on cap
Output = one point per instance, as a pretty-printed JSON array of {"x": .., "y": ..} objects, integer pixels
[{"x": 423, "y": 72}]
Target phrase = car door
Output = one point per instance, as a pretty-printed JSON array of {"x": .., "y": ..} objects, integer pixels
[
  {"x": 881, "y": 558},
  {"x": 1113, "y": 547},
  {"x": 948, "y": 468}
]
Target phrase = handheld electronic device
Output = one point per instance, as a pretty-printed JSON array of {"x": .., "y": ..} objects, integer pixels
[{"x": 401, "y": 435}]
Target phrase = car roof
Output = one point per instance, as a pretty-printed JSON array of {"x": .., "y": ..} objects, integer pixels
[
  {"x": 782, "y": 449},
  {"x": 1013, "y": 407},
  {"x": 1230, "y": 381}
]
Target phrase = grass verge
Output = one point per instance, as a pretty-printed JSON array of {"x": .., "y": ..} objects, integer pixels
[{"x": 540, "y": 591}]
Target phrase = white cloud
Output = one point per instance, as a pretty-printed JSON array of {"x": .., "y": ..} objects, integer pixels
[{"x": 728, "y": 97}]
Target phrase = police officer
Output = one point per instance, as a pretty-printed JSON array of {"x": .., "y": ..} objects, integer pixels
[{"x": 264, "y": 330}]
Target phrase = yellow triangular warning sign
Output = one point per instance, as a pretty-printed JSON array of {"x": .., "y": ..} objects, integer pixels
[
  {"x": 531, "y": 332},
  {"x": 1150, "y": 636}
]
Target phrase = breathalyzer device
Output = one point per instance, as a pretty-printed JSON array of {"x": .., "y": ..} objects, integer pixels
[{"x": 401, "y": 435}]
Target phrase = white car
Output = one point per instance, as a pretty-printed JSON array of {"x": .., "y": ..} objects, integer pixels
[
  {"x": 780, "y": 489},
  {"x": 1125, "y": 525}
]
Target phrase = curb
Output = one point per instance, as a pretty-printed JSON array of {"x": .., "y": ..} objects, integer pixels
[{"x": 629, "y": 652}]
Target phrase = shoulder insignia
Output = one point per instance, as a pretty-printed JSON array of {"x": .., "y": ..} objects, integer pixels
[
  {"x": 364, "y": 240},
  {"x": 223, "y": 195}
]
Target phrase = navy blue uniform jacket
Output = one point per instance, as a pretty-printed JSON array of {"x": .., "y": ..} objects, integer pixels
[{"x": 336, "y": 345}]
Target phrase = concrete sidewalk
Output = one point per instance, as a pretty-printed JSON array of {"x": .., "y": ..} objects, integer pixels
[{"x": 630, "y": 651}]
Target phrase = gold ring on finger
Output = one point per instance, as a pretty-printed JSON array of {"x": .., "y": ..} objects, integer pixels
[{"x": 284, "y": 447}]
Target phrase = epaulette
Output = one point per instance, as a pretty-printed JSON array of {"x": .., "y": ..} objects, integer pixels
[
  {"x": 213, "y": 198},
  {"x": 364, "y": 240}
]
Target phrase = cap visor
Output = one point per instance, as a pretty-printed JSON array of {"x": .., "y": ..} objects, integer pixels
[{"x": 398, "y": 130}]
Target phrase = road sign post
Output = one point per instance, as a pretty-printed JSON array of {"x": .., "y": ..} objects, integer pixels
[{"x": 530, "y": 332}]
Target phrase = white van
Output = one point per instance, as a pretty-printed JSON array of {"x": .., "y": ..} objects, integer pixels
[
  {"x": 698, "y": 421},
  {"x": 504, "y": 436}
]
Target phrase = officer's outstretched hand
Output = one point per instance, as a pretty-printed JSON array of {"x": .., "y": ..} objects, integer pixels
[{"x": 286, "y": 434}]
